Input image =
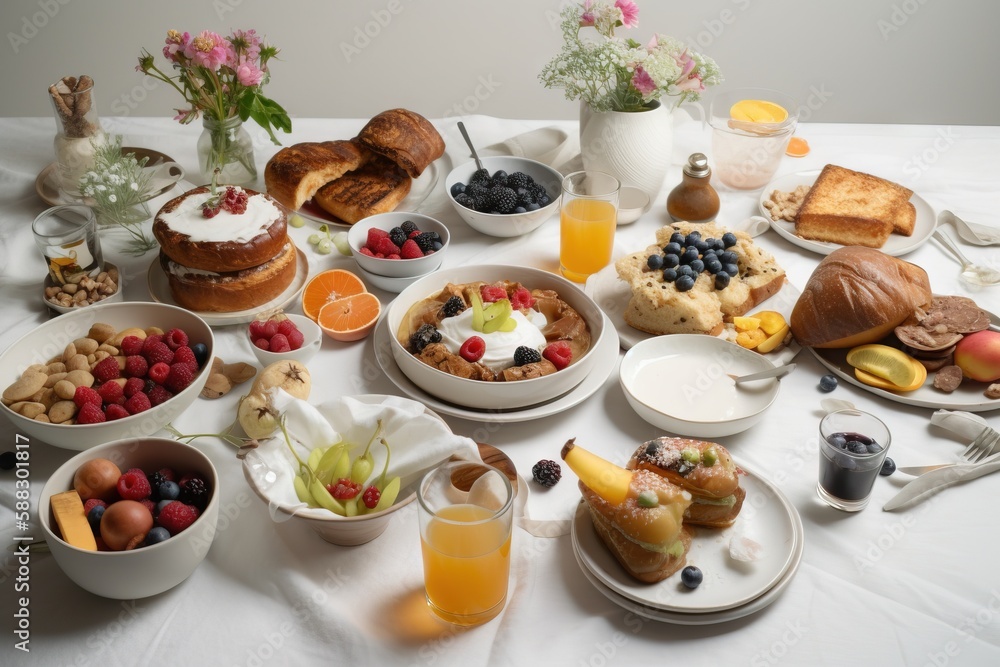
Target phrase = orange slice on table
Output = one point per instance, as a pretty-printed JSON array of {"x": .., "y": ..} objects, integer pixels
[
  {"x": 326, "y": 287},
  {"x": 351, "y": 317},
  {"x": 797, "y": 147}
]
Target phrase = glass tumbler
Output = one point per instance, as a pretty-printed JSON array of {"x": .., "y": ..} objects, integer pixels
[
  {"x": 68, "y": 240},
  {"x": 588, "y": 217},
  {"x": 747, "y": 153},
  {"x": 852, "y": 445}
]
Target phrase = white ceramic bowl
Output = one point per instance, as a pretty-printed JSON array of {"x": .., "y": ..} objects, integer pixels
[
  {"x": 49, "y": 339},
  {"x": 117, "y": 297},
  {"x": 357, "y": 235},
  {"x": 394, "y": 285},
  {"x": 680, "y": 383},
  {"x": 494, "y": 395},
  {"x": 128, "y": 575},
  {"x": 511, "y": 224},
  {"x": 312, "y": 340}
]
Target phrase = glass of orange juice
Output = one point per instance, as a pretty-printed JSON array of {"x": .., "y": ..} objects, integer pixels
[
  {"x": 465, "y": 540},
  {"x": 588, "y": 218}
]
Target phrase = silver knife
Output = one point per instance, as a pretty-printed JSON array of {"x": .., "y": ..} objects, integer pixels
[
  {"x": 916, "y": 471},
  {"x": 930, "y": 483}
]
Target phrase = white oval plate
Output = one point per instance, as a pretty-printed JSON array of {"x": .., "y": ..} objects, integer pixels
[
  {"x": 612, "y": 295},
  {"x": 604, "y": 364},
  {"x": 159, "y": 291},
  {"x": 767, "y": 517},
  {"x": 896, "y": 245}
]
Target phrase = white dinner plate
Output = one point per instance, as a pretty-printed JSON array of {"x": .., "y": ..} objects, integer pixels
[
  {"x": 420, "y": 188},
  {"x": 607, "y": 356},
  {"x": 612, "y": 295},
  {"x": 164, "y": 172},
  {"x": 767, "y": 518},
  {"x": 159, "y": 290},
  {"x": 969, "y": 395},
  {"x": 896, "y": 245}
]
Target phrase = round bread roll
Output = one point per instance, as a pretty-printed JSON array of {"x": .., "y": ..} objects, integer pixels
[{"x": 856, "y": 296}]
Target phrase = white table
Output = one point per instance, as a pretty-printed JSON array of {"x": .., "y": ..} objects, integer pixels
[{"x": 910, "y": 588}]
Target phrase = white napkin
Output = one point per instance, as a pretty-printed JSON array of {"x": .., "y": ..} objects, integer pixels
[
  {"x": 964, "y": 424},
  {"x": 419, "y": 441},
  {"x": 970, "y": 232},
  {"x": 550, "y": 145},
  {"x": 755, "y": 225}
]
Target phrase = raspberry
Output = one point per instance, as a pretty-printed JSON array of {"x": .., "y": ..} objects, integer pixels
[
  {"x": 90, "y": 414},
  {"x": 175, "y": 338},
  {"x": 410, "y": 250},
  {"x": 133, "y": 386},
  {"x": 158, "y": 352},
  {"x": 92, "y": 503},
  {"x": 106, "y": 369},
  {"x": 374, "y": 235},
  {"x": 414, "y": 234},
  {"x": 115, "y": 411},
  {"x": 235, "y": 200},
  {"x": 139, "y": 402},
  {"x": 210, "y": 211},
  {"x": 295, "y": 339},
  {"x": 559, "y": 353},
  {"x": 131, "y": 345},
  {"x": 150, "y": 341},
  {"x": 158, "y": 372},
  {"x": 473, "y": 349},
  {"x": 386, "y": 247},
  {"x": 84, "y": 395},
  {"x": 286, "y": 327},
  {"x": 262, "y": 344},
  {"x": 158, "y": 395},
  {"x": 492, "y": 293},
  {"x": 546, "y": 472},
  {"x": 184, "y": 355},
  {"x": 133, "y": 485},
  {"x": 371, "y": 497},
  {"x": 180, "y": 377},
  {"x": 525, "y": 355},
  {"x": 393, "y": 256},
  {"x": 110, "y": 392},
  {"x": 366, "y": 251},
  {"x": 344, "y": 489},
  {"x": 136, "y": 366},
  {"x": 270, "y": 328},
  {"x": 194, "y": 491},
  {"x": 279, "y": 343},
  {"x": 256, "y": 329},
  {"x": 522, "y": 299},
  {"x": 177, "y": 516},
  {"x": 150, "y": 505}
]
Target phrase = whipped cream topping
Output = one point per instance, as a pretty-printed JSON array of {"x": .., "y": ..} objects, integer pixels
[
  {"x": 181, "y": 270},
  {"x": 224, "y": 227},
  {"x": 500, "y": 345}
]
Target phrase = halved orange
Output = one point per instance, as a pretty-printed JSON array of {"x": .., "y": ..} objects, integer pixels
[
  {"x": 326, "y": 287},
  {"x": 797, "y": 147},
  {"x": 351, "y": 317}
]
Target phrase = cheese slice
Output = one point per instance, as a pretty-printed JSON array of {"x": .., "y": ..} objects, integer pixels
[{"x": 72, "y": 520}]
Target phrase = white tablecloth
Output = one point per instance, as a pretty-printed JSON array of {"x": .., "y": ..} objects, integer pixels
[{"x": 910, "y": 588}]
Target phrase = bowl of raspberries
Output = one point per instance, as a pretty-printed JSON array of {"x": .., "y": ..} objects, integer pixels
[
  {"x": 131, "y": 518},
  {"x": 398, "y": 244},
  {"x": 105, "y": 372},
  {"x": 510, "y": 196},
  {"x": 279, "y": 336}
]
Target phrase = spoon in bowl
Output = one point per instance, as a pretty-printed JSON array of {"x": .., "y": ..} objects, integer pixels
[
  {"x": 974, "y": 274},
  {"x": 776, "y": 372},
  {"x": 468, "y": 141}
]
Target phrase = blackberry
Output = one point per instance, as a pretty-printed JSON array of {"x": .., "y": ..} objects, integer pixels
[
  {"x": 409, "y": 226},
  {"x": 524, "y": 197},
  {"x": 452, "y": 307},
  {"x": 480, "y": 176},
  {"x": 195, "y": 492},
  {"x": 466, "y": 201},
  {"x": 425, "y": 241},
  {"x": 155, "y": 479},
  {"x": 423, "y": 337},
  {"x": 398, "y": 236},
  {"x": 524, "y": 355},
  {"x": 502, "y": 199},
  {"x": 519, "y": 179},
  {"x": 546, "y": 472}
]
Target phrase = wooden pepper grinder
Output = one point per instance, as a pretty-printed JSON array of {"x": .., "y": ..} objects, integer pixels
[{"x": 694, "y": 199}]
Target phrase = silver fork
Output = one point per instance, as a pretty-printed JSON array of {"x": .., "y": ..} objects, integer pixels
[{"x": 982, "y": 446}]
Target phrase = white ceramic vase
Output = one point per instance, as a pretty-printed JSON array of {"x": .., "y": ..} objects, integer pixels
[{"x": 633, "y": 146}]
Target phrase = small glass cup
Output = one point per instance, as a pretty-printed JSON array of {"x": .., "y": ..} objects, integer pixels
[
  {"x": 68, "y": 240},
  {"x": 465, "y": 540},
  {"x": 852, "y": 445},
  {"x": 747, "y": 154},
  {"x": 588, "y": 217}
]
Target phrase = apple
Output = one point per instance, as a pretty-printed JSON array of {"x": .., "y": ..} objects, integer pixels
[{"x": 978, "y": 355}]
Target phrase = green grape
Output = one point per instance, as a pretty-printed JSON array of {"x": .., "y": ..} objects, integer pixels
[
  {"x": 296, "y": 221},
  {"x": 314, "y": 239},
  {"x": 324, "y": 230},
  {"x": 325, "y": 247},
  {"x": 340, "y": 240}
]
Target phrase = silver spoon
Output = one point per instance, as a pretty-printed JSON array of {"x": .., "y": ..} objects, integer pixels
[
  {"x": 974, "y": 274},
  {"x": 776, "y": 372},
  {"x": 465, "y": 135}
]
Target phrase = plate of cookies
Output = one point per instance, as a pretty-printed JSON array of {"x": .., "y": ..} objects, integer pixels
[{"x": 822, "y": 210}]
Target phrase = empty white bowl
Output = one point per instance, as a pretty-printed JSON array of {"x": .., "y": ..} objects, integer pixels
[
  {"x": 139, "y": 573},
  {"x": 312, "y": 340},
  {"x": 494, "y": 395},
  {"x": 357, "y": 235},
  {"x": 680, "y": 383},
  {"x": 51, "y": 338},
  {"x": 511, "y": 224}
]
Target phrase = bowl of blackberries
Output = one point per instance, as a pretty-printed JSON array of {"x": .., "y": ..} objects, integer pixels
[{"x": 509, "y": 197}]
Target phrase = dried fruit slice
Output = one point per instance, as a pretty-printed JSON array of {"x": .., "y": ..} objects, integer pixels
[
  {"x": 326, "y": 287},
  {"x": 746, "y": 323},
  {"x": 771, "y": 321},
  {"x": 797, "y": 147},
  {"x": 885, "y": 362},
  {"x": 875, "y": 381},
  {"x": 350, "y": 318}
]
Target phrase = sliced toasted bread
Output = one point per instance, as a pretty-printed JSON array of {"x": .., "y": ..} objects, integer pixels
[
  {"x": 377, "y": 187},
  {"x": 905, "y": 220},
  {"x": 296, "y": 172}
]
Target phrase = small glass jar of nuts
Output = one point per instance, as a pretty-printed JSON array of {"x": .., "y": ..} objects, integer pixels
[{"x": 106, "y": 286}]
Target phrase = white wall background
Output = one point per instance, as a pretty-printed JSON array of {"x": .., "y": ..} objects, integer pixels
[{"x": 901, "y": 61}]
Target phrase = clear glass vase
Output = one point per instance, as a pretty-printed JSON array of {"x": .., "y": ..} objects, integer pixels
[
  {"x": 78, "y": 132},
  {"x": 225, "y": 152}
]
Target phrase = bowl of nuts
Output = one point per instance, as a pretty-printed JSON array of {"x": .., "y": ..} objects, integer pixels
[
  {"x": 106, "y": 287},
  {"x": 105, "y": 372}
]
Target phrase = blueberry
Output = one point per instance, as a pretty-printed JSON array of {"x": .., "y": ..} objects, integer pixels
[
  {"x": 888, "y": 467},
  {"x": 672, "y": 248},
  {"x": 520, "y": 209},
  {"x": 691, "y": 576},
  {"x": 692, "y": 238},
  {"x": 94, "y": 516},
  {"x": 856, "y": 447},
  {"x": 671, "y": 261},
  {"x": 655, "y": 262},
  {"x": 731, "y": 269},
  {"x": 437, "y": 245},
  {"x": 690, "y": 254},
  {"x": 697, "y": 266},
  {"x": 719, "y": 245},
  {"x": 160, "y": 505},
  {"x": 170, "y": 491},
  {"x": 457, "y": 189},
  {"x": 157, "y": 535},
  {"x": 728, "y": 257},
  {"x": 828, "y": 383},
  {"x": 677, "y": 238},
  {"x": 702, "y": 247},
  {"x": 714, "y": 266},
  {"x": 685, "y": 270},
  {"x": 838, "y": 440},
  {"x": 721, "y": 280},
  {"x": 684, "y": 283},
  {"x": 729, "y": 239},
  {"x": 200, "y": 353},
  {"x": 669, "y": 275},
  {"x": 874, "y": 447},
  {"x": 533, "y": 206}
]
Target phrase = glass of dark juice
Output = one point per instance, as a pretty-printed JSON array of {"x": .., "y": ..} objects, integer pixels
[{"x": 852, "y": 447}]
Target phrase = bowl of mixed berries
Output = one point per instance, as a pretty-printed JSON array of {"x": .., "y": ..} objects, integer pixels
[
  {"x": 277, "y": 336},
  {"x": 131, "y": 518},
  {"x": 509, "y": 197},
  {"x": 398, "y": 244}
]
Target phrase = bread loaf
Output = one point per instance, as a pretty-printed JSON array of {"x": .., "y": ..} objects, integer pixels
[
  {"x": 405, "y": 137},
  {"x": 296, "y": 172},
  {"x": 857, "y": 295},
  {"x": 377, "y": 187}
]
